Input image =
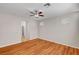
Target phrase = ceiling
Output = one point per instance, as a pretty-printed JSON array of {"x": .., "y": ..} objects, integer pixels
[{"x": 21, "y": 9}]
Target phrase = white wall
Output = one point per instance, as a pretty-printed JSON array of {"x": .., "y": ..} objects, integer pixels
[
  {"x": 32, "y": 29},
  {"x": 10, "y": 29},
  {"x": 63, "y": 30},
  {"x": 56, "y": 31}
]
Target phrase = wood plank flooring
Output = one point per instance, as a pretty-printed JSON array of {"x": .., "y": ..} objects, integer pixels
[{"x": 38, "y": 47}]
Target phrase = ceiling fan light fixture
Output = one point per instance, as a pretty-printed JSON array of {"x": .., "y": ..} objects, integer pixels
[{"x": 36, "y": 15}]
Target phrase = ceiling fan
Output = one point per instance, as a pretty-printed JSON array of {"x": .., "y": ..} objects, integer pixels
[{"x": 36, "y": 13}]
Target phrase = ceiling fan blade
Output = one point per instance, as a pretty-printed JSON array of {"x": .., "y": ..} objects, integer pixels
[
  {"x": 30, "y": 11},
  {"x": 40, "y": 12},
  {"x": 41, "y": 15}
]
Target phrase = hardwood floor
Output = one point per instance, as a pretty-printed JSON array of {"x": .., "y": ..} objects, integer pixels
[{"x": 38, "y": 47}]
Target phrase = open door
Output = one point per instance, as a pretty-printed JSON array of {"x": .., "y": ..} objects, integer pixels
[{"x": 24, "y": 31}]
